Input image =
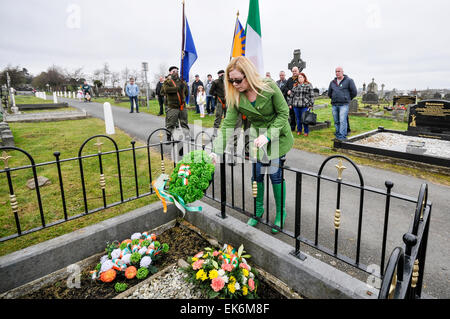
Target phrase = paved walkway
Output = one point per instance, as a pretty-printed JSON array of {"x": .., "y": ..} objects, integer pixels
[{"x": 437, "y": 274}]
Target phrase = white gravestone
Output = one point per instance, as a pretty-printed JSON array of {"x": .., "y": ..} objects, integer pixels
[
  {"x": 109, "y": 122},
  {"x": 55, "y": 99},
  {"x": 44, "y": 96}
]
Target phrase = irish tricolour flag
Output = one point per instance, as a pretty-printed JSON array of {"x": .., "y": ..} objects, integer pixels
[{"x": 253, "y": 45}]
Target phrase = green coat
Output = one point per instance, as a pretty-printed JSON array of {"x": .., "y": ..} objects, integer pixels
[
  {"x": 269, "y": 117},
  {"x": 174, "y": 94}
]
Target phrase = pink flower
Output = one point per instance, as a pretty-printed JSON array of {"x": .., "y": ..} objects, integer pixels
[
  {"x": 200, "y": 254},
  {"x": 251, "y": 284},
  {"x": 198, "y": 264},
  {"x": 217, "y": 284},
  {"x": 215, "y": 253},
  {"x": 243, "y": 265},
  {"x": 227, "y": 267}
]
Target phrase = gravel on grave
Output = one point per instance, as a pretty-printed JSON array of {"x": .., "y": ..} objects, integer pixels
[
  {"x": 168, "y": 286},
  {"x": 398, "y": 142}
]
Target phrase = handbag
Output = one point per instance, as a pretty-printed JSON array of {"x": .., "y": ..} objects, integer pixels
[{"x": 309, "y": 117}]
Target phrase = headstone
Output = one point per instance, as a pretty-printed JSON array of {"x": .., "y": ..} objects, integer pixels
[
  {"x": 353, "y": 106},
  {"x": 109, "y": 121},
  {"x": 44, "y": 96},
  {"x": 297, "y": 61},
  {"x": 403, "y": 100},
  {"x": 65, "y": 94},
  {"x": 42, "y": 181},
  {"x": 371, "y": 97},
  {"x": 55, "y": 99},
  {"x": 447, "y": 97},
  {"x": 430, "y": 116},
  {"x": 382, "y": 91}
]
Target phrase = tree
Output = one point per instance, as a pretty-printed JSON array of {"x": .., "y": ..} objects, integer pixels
[
  {"x": 16, "y": 74},
  {"x": 115, "y": 78}
]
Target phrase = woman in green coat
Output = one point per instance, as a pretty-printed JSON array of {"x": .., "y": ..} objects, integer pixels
[{"x": 262, "y": 102}]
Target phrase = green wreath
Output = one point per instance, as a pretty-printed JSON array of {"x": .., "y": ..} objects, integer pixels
[{"x": 192, "y": 176}]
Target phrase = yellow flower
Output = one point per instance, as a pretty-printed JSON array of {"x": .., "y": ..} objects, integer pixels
[
  {"x": 205, "y": 256},
  {"x": 194, "y": 259},
  {"x": 231, "y": 287},
  {"x": 232, "y": 279},
  {"x": 204, "y": 276},
  {"x": 244, "y": 290},
  {"x": 245, "y": 272},
  {"x": 213, "y": 274},
  {"x": 200, "y": 274}
]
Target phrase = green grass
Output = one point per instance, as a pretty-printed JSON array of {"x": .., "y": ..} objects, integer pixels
[
  {"x": 31, "y": 99},
  {"x": 41, "y": 140}
]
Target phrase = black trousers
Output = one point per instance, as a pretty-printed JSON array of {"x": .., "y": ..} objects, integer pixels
[{"x": 161, "y": 104}]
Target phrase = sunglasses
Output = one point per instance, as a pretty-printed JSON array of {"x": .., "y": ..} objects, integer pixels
[{"x": 237, "y": 81}]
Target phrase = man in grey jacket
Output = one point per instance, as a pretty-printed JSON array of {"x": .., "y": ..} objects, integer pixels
[{"x": 210, "y": 103}]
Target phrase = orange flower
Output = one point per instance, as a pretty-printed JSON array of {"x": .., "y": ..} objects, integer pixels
[
  {"x": 108, "y": 276},
  {"x": 198, "y": 264},
  {"x": 130, "y": 273}
]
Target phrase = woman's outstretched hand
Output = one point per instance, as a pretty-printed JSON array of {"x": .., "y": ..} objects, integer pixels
[{"x": 261, "y": 141}]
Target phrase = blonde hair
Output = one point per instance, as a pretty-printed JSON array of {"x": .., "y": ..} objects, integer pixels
[{"x": 246, "y": 67}]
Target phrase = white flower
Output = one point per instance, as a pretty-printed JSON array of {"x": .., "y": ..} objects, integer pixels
[
  {"x": 225, "y": 278},
  {"x": 136, "y": 236},
  {"x": 145, "y": 261},
  {"x": 251, "y": 275},
  {"x": 244, "y": 280},
  {"x": 107, "y": 265},
  {"x": 142, "y": 250},
  {"x": 221, "y": 272},
  {"x": 237, "y": 286},
  {"x": 103, "y": 259},
  {"x": 126, "y": 258},
  {"x": 115, "y": 253}
]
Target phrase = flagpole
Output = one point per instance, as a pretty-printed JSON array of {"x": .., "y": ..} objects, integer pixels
[{"x": 182, "y": 45}]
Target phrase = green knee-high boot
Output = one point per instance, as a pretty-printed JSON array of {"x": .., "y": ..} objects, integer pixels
[
  {"x": 279, "y": 199},
  {"x": 259, "y": 204}
]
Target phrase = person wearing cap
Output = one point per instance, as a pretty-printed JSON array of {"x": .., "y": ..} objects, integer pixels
[
  {"x": 262, "y": 102},
  {"x": 218, "y": 92},
  {"x": 175, "y": 90},
  {"x": 194, "y": 89}
]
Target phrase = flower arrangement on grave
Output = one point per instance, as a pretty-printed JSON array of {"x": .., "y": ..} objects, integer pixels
[
  {"x": 131, "y": 258},
  {"x": 188, "y": 181},
  {"x": 223, "y": 273}
]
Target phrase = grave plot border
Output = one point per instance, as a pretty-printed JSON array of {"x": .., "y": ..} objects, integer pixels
[{"x": 427, "y": 159}]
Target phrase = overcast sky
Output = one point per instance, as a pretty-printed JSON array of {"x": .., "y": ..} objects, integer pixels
[{"x": 404, "y": 44}]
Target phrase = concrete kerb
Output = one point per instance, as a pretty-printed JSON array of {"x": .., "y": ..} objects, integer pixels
[
  {"x": 311, "y": 277},
  {"x": 28, "y": 264}
]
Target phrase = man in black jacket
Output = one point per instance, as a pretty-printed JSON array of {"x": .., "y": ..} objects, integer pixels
[
  {"x": 287, "y": 91},
  {"x": 341, "y": 91},
  {"x": 160, "y": 95}
]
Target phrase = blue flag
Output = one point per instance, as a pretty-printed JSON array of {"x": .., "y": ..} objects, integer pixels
[{"x": 189, "y": 54}]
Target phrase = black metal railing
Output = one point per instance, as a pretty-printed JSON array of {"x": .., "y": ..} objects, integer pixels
[
  {"x": 405, "y": 269},
  {"x": 402, "y": 259},
  {"x": 5, "y": 156}
]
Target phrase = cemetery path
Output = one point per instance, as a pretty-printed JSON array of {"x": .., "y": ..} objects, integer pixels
[{"x": 437, "y": 272}]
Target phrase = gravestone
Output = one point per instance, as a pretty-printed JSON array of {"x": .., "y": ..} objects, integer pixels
[
  {"x": 371, "y": 97},
  {"x": 447, "y": 97},
  {"x": 430, "y": 116},
  {"x": 55, "y": 99},
  {"x": 403, "y": 100},
  {"x": 353, "y": 106},
  {"x": 297, "y": 61}
]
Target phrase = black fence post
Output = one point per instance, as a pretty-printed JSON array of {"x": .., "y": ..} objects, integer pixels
[
  {"x": 61, "y": 186},
  {"x": 298, "y": 213},
  {"x": 223, "y": 187},
  {"x": 389, "y": 186}
]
